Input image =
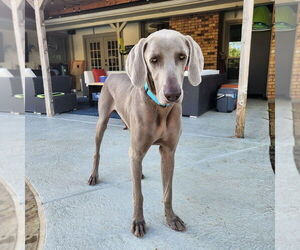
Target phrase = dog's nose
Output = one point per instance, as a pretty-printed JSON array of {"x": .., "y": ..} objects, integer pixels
[{"x": 172, "y": 96}]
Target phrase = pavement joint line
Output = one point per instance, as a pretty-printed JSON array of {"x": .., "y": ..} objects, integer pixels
[
  {"x": 121, "y": 126},
  {"x": 113, "y": 185},
  {"x": 228, "y": 119},
  {"x": 78, "y": 193},
  {"x": 94, "y": 123},
  {"x": 230, "y": 153},
  {"x": 19, "y": 116},
  {"x": 223, "y": 137},
  {"x": 206, "y": 118}
]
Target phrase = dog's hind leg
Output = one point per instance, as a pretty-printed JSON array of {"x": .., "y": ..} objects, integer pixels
[{"x": 105, "y": 107}]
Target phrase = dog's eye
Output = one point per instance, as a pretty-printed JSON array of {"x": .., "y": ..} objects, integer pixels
[
  {"x": 182, "y": 57},
  {"x": 153, "y": 60}
]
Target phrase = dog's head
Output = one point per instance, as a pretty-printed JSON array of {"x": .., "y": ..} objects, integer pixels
[{"x": 162, "y": 58}]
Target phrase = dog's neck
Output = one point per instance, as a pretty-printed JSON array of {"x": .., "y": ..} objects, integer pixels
[{"x": 151, "y": 83}]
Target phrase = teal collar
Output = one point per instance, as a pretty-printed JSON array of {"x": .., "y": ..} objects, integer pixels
[{"x": 153, "y": 97}]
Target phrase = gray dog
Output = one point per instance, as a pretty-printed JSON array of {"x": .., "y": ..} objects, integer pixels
[{"x": 148, "y": 99}]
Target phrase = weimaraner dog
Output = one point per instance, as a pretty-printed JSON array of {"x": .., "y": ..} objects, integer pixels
[{"x": 148, "y": 99}]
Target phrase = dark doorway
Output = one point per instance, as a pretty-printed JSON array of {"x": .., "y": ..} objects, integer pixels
[
  {"x": 259, "y": 63},
  {"x": 259, "y": 58}
]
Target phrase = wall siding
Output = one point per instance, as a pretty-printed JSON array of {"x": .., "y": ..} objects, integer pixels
[{"x": 295, "y": 79}]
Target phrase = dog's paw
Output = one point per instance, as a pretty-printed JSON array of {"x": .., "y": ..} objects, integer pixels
[
  {"x": 93, "y": 180},
  {"x": 176, "y": 223},
  {"x": 138, "y": 228}
]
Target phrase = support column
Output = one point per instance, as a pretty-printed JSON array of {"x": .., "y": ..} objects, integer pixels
[
  {"x": 44, "y": 57},
  {"x": 244, "y": 67},
  {"x": 119, "y": 28},
  {"x": 18, "y": 16}
]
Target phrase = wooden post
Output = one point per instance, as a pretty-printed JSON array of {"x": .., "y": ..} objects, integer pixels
[
  {"x": 31, "y": 3},
  {"x": 118, "y": 28},
  {"x": 244, "y": 67},
  {"x": 44, "y": 57},
  {"x": 18, "y": 14},
  {"x": 7, "y": 3},
  {"x": 118, "y": 39}
]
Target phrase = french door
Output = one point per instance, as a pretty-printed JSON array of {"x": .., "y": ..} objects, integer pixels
[
  {"x": 111, "y": 54},
  {"x": 102, "y": 53}
]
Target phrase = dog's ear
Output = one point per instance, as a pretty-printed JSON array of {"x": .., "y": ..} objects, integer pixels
[
  {"x": 195, "y": 62},
  {"x": 135, "y": 64}
]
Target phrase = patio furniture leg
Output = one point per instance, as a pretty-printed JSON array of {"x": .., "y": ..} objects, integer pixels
[
  {"x": 91, "y": 90},
  {"x": 90, "y": 97}
]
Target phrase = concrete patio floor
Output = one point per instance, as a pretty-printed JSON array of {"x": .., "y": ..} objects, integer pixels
[
  {"x": 223, "y": 186},
  {"x": 12, "y": 174},
  {"x": 287, "y": 199}
]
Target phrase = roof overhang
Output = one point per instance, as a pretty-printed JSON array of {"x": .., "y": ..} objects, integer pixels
[
  {"x": 143, "y": 12},
  {"x": 278, "y": 2}
]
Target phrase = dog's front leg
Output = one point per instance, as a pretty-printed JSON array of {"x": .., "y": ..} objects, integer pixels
[
  {"x": 138, "y": 224},
  {"x": 167, "y": 169}
]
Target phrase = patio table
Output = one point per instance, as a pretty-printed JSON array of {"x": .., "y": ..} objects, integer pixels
[{"x": 94, "y": 87}]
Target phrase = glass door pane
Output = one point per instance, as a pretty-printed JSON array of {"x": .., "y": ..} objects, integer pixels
[
  {"x": 112, "y": 54},
  {"x": 94, "y": 54},
  {"x": 234, "y": 51}
]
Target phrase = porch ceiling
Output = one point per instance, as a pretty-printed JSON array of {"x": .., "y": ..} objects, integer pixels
[
  {"x": 70, "y": 7},
  {"x": 142, "y": 12}
]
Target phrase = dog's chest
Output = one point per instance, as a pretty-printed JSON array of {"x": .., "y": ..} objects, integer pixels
[{"x": 163, "y": 128}]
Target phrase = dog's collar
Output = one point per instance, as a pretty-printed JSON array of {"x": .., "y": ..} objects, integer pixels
[{"x": 153, "y": 97}]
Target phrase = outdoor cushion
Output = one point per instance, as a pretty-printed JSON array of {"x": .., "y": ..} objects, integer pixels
[
  {"x": 230, "y": 86},
  {"x": 42, "y": 96},
  {"x": 97, "y": 73},
  {"x": 88, "y": 77},
  {"x": 19, "y": 96},
  {"x": 5, "y": 73},
  {"x": 29, "y": 73}
]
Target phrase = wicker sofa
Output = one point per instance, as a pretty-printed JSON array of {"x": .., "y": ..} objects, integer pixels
[
  {"x": 34, "y": 89},
  {"x": 11, "y": 98},
  {"x": 199, "y": 99}
]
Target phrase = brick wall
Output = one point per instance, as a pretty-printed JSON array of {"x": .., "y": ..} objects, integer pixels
[
  {"x": 295, "y": 79},
  {"x": 204, "y": 28},
  {"x": 271, "y": 89}
]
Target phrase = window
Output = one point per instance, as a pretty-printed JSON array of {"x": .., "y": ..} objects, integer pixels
[{"x": 95, "y": 55}]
